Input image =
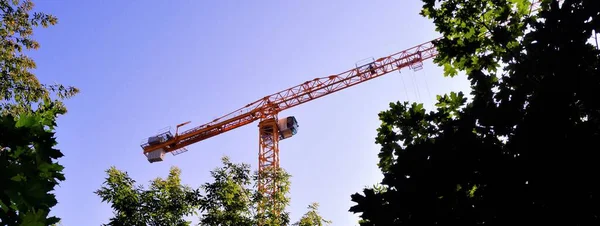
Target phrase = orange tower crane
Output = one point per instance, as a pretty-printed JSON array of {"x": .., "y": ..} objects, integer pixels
[{"x": 272, "y": 129}]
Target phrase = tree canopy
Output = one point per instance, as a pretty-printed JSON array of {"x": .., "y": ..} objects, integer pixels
[
  {"x": 29, "y": 170},
  {"x": 164, "y": 202},
  {"x": 522, "y": 150},
  {"x": 230, "y": 199},
  {"x": 312, "y": 217},
  {"x": 20, "y": 89}
]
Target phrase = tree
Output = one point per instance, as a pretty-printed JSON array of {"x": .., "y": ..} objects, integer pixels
[
  {"x": 19, "y": 87},
  {"x": 521, "y": 152},
  {"x": 165, "y": 202},
  {"x": 233, "y": 197},
  {"x": 28, "y": 170},
  {"x": 274, "y": 212},
  {"x": 228, "y": 200},
  {"x": 28, "y": 110},
  {"x": 312, "y": 217}
]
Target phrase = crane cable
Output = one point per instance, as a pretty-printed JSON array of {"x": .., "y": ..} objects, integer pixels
[
  {"x": 412, "y": 73},
  {"x": 426, "y": 84},
  {"x": 405, "y": 90}
]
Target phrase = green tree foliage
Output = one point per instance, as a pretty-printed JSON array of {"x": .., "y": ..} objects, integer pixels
[
  {"x": 28, "y": 170},
  {"x": 165, "y": 202},
  {"x": 19, "y": 87},
  {"x": 275, "y": 213},
  {"x": 312, "y": 217},
  {"x": 28, "y": 110},
  {"x": 233, "y": 198},
  {"x": 523, "y": 151},
  {"x": 228, "y": 200}
]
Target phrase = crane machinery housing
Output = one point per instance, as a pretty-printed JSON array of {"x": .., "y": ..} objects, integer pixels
[{"x": 273, "y": 129}]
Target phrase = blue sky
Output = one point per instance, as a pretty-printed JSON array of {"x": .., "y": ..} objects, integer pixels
[{"x": 145, "y": 65}]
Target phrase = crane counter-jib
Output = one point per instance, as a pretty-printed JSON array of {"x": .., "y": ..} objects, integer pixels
[{"x": 202, "y": 132}]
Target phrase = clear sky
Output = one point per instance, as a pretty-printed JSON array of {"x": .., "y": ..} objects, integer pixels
[{"x": 145, "y": 65}]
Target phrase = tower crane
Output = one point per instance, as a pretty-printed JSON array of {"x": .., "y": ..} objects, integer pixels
[{"x": 273, "y": 129}]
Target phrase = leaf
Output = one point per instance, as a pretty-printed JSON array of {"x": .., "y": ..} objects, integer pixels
[
  {"x": 449, "y": 70},
  {"x": 26, "y": 121},
  {"x": 522, "y": 6},
  {"x": 425, "y": 12},
  {"x": 3, "y": 206},
  {"x": 34, "y": 218},
  {"x": 18, "y": 178},
  {"x": 471, "y": 192}
]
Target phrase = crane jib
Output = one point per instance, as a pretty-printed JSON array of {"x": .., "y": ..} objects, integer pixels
[{"x": 305, "y": 92}]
